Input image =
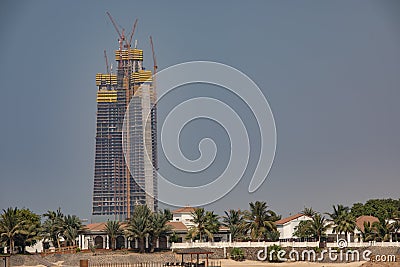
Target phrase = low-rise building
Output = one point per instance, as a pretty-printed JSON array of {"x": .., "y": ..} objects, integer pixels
[{"x": 287, "y": 226}]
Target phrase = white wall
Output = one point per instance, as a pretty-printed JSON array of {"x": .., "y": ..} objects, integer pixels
[{"x": 38, "y": 247}]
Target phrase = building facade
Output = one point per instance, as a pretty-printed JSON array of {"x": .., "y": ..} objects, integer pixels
[{"x": 126, "y": 138}]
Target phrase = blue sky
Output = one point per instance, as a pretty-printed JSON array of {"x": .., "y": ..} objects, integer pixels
[{"x": 330, "y": 71}]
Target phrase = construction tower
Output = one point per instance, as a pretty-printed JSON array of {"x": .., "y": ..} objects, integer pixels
[{"x": 121, "y": 181}]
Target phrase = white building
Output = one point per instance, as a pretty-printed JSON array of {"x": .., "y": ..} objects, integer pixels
[
  {"x": 184, "y": 215},
  {"x": 287, "y": 226}
]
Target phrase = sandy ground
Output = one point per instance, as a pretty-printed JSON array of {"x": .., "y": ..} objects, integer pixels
[{"x": 231, "y": 263}]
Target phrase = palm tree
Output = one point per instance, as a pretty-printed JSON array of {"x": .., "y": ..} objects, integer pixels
[
  {"x": 318, "y": 226},
  {"x": 338, "y": 212},
  {"x": 368, "y": 233},
  {"x": 10, "y": 226},
  {"x": 168, "y": 214},
  {"x": 303, "y": 230},
  {"x": 31, "y": 229},
  {"x": 29, "y": 235},
  {"x": 212, "y": 222},
  {"x": 70, "y": 234},
  {"x": 71, "y": 225},
  {"x": 159, "y": 227},
  {"x": 383, "y": 230},
  {"x": 113, "y": 229},
  {"x": 139, "y": 226},
  {"x": 200, "y": 221},
  {"x": 346, "y": 224},
  {"x": 309, "y": 212},
  {"x": 342, "y": 220},
  {"x": 259, "y": 220},
  {"x": 53, "y": 227},
  {"x": 234, "y": 220}
]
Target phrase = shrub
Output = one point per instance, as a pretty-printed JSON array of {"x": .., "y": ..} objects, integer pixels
[
  {"x": 237, "y": 254},
  {"x": 92, "y": 248},
  {"x": 317, "y": 249},
  {"x": 274, "y": 249}
]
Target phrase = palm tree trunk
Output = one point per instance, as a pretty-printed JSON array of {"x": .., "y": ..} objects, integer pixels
[
  {"x": 153, "y": 244},
  {"x": 141, "y": 245},
  {"x": 23, "y": 247},
  {"x": 11, "y": 246}
]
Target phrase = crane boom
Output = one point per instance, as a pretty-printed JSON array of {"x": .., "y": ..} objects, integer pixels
[
  {"x": 107, "y": 66},
  {"x": 121, "y": 36},
  {"x": 132, "y": 33}
]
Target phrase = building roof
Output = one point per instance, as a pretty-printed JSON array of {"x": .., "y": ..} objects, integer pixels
[
  {"x": 184, "y": 210},
  {"x": 100, "y": 227},
  {"x": 360, "y": 221},
  {"x": 288, "y": 219},
  {"x": 223, "y": 228},
  {"x": 178, "y": 226},
  {"x": 95, "y": 227}
]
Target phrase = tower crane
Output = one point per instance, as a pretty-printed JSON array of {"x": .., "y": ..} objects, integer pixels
[{"x": 121, "y": 35}]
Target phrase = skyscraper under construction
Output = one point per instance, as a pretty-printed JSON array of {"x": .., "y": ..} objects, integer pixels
[{"x": 123, "y": 180}]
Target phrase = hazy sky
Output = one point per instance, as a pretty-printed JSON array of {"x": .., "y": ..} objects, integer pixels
[{"x": 330, "y": 71}]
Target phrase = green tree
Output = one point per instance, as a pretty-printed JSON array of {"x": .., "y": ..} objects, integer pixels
[
  {"x": 342, "y": 220},
  {"x": 168, "y": 214},
  {"x": 53, "y": 227},
  {"x": 234, "y": 220},
  {"x": 206, "y": 225},
  {"x": 70, "y": 234},
  {"x": 273, "y": 236},
  {"x": 345, "y": 224},
  {"x": 303, "y": 230},
  {"x": 259, "y": 220},
  {"x": 10, "y": 226},
  {"x": 139, "y": 226},
  {"x": 31, "y": 229},
  {"x": 113, "y": 229},
  {"x": 319, "y": 226},
  {"x": 316, "y": 227},
  {"x": 368, "y": 233},
  {"x": 338, "y": 211},
  {"x": 381, "y": 208},
  {"x": 383, "y": 230},
  {"x": 159, "y": 227},
  {"x": 308, "y": 212},
  {"x": 212, "y": 222},
  {"x": 71, "y": 225}
]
